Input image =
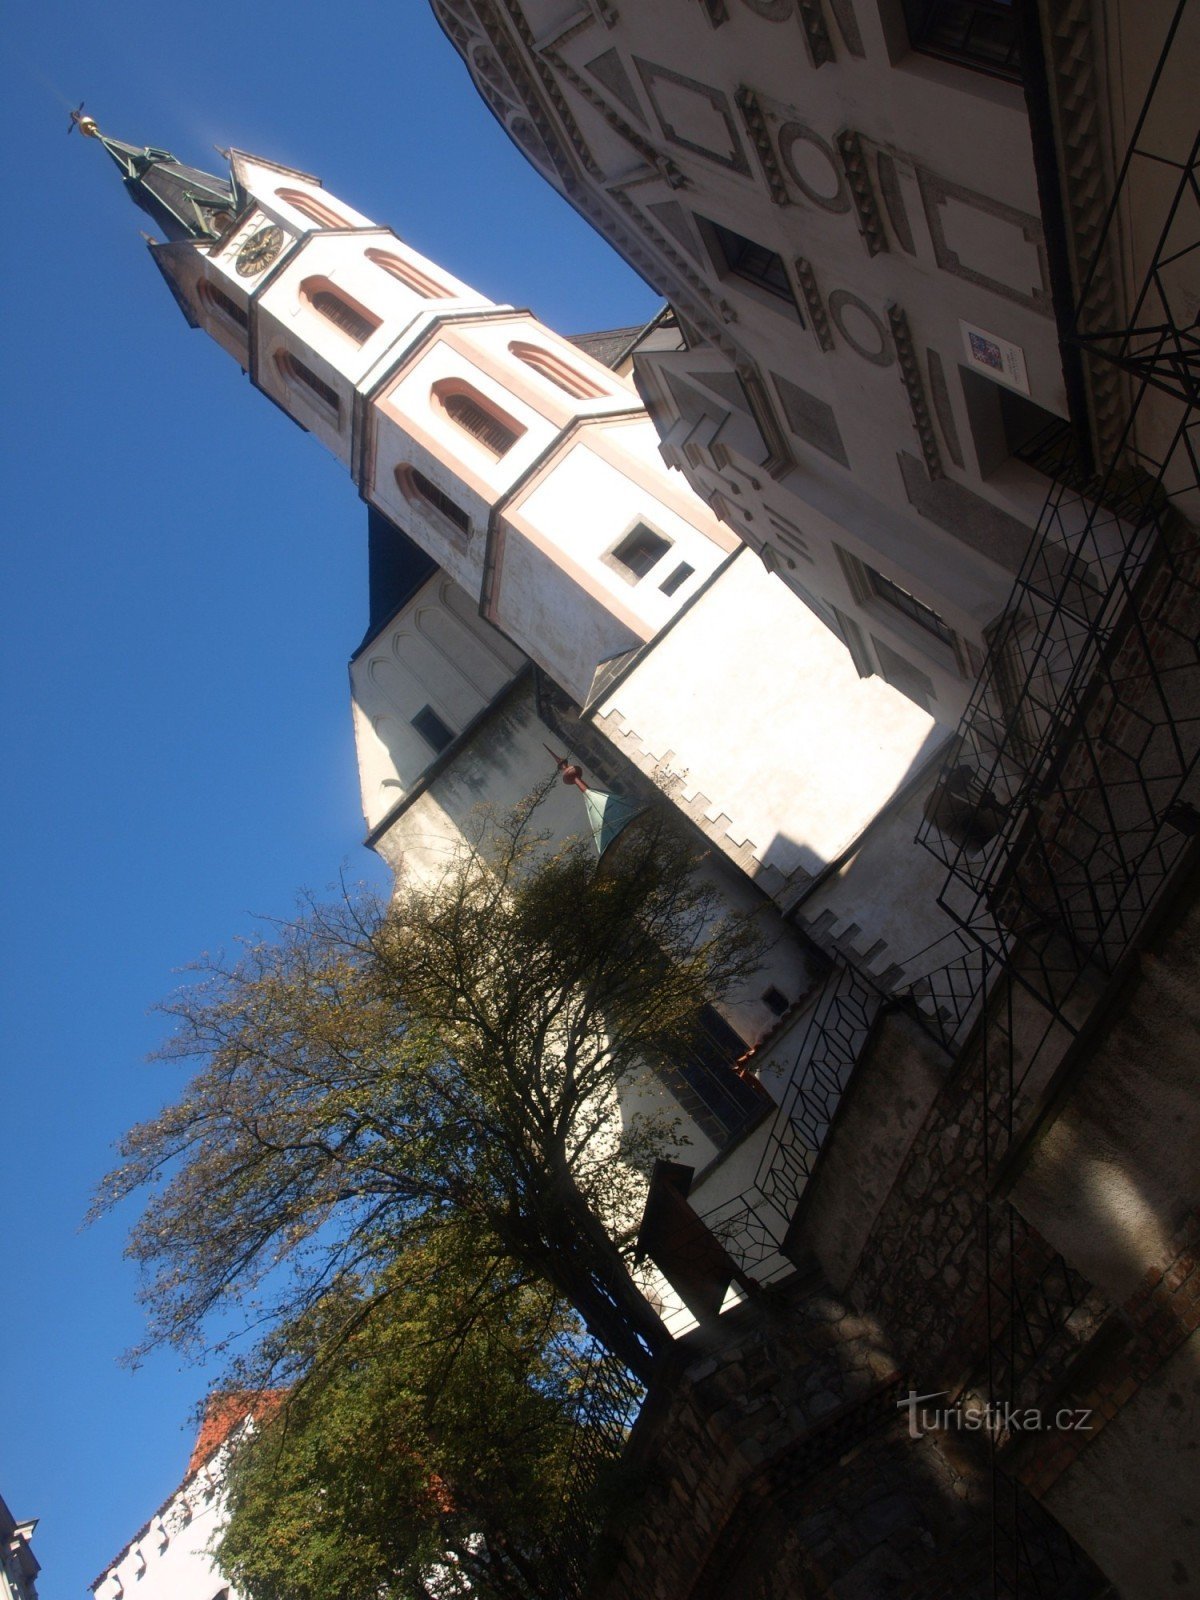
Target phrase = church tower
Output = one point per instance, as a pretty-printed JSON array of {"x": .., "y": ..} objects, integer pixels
[
  {"x": 525, "y": 469},
  {"x": 523, "y": 514}
]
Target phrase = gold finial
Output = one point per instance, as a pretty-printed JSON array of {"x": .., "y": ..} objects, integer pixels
[{"x": 85, "y": 124}]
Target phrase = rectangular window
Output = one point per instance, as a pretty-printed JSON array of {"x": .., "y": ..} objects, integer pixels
[
  {"x": 975, "y": 33},
  {"x": 432, "y": 729},
  {"x": 677, "y": 579},
  {"x": 735, "y": 256},
  {"x": 916, "y": 610},
  {"x": 639, "y": 552},
  {"x": 718, "y": 1098},
  {"x": 775, "y": 1000}
]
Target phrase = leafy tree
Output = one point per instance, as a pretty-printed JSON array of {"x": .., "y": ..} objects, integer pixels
[
  {"x": 373, "y": 1073},
  {"x": 428, "y": 1452}
]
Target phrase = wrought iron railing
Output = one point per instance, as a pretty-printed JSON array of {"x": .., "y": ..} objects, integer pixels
[
  {"x": 607, "y": 1404},
  {"x": 753, "y": 1225}
]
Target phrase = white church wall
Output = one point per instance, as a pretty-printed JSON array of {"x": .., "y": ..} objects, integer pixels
[
  {"x": 499, "y": 766},
  {"x": 438, "y": 653},
  {"x": 170, "y": 1559},
  {"x": 560, "y": 588},
  {"x": 757, "y": 717}
]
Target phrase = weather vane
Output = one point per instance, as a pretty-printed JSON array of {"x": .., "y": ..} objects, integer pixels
[{"x": 85, "y": 124}]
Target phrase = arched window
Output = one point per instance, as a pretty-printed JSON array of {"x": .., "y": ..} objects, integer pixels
[
  {"x": 297, "y": 373},
  {"x": 494, "y": 429},
  {"x": 554, "y": 368},
  {"x": 411, "y": 276},
  {"x": 224, "y": 304},
  {"x": 415, "y": 486},
  {"x": 315, "y": 210},
  {"x": 355, "y": 321}
]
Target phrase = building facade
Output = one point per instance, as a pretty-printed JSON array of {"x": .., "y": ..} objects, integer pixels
[
  {"x": 872, "y": 220},
  {"x": 18, "y": 1565},
  {"x": 169, "y": 1557},
  {"x": 973, "y": 1152}
]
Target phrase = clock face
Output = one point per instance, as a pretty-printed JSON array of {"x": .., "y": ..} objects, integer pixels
[{"x": 259, "y": 250}]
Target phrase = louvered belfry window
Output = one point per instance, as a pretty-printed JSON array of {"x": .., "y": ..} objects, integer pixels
[
  {"x": 343, "y": 315},
  {"x": 325, "y": 392},
  {"x": 480, "y": 422},
  {"x": 436, "y": 497},
  {"x": 230, "y": 307}
]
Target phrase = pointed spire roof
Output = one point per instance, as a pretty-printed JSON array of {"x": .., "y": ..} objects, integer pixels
[
  {"x": 608, "y": 814},
  {"x": 184, "y": 202}
]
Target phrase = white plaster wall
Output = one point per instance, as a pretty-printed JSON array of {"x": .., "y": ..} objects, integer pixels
[
  {"x": 499, "y": 767},
  {"x": 556, "y": 594},
  {"x": 751, "y": 703},
  {"x": 412, "y": 403},
  {"x": 947, "y": 164},
  {"x": 170, "y": 1560},
  {"x": 492, "y": 340},
  {"x": 436, "y": 652}
]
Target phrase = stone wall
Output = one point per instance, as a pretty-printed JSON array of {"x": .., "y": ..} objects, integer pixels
[{"x": 773, "y": 1463}]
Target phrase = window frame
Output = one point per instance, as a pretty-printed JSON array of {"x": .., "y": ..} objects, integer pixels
[
  {"x": 414, "y": 278},
  {"x": 675, "y": 580},
  {"x": 429, "y": 715},
  {"x": 781, "y": 297},
  {"x": 449, "y": 395},
  {"x": 619, "y": 565},
  {"x": 301, "y": 379},
  {"x": 922, "y": 19},
  {"x": 216, "y": 299},
  {"x": 421, "y": 491},
  {"x": 314, "y": 289},
  {"x": 553, "y": 369},
  {"x": 946, "y": 651},
  {"x": 319, "y": 214}
]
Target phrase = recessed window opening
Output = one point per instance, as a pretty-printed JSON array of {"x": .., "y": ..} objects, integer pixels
[
  {"x": 411, "y": 276},
  {"x": 707, "y": 1083},
  {"x": 556, "y": 370},
  {"x": 416, "y": 486},
  {"x": 916, "y": 610},
  {"x": 213, "y": 296},
  {"x": 315, "y": 210},
  {"x": 974, "y": 33},
  {"x": 677, "y": 578},
  {"x": 1005, "y": 424},
  {"x": 754, "y": 263},
  {"x": 494, "y": 429},
  {"x": 775, "y": 1000},
  {"x": 355, "y": 321},
  {"x": 639, "y": 551},
  {"x": 298, "y": 372},
  {"x": 432, "y": 729}
]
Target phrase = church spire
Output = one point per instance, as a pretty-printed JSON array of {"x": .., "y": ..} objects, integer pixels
[{"x": 184, "y": 202}]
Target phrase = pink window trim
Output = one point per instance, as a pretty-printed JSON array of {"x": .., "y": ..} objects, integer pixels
[
  {"x": 315, "y": 210},
  {"x": 555, "y": 370},
  {"x": 422, "y": 491},
  {"x": 320, "y": 394},
  {"x": 481, "y": 419},
  {"x": 412, "y": 276},
  {"x": 346, "y": 314}
]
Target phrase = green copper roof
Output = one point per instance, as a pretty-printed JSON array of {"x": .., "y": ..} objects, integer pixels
[
  {"x": 608, "y": 815},
  {"x": 185, "y": 202}
]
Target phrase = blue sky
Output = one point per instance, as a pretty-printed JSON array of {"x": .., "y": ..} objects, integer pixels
[{"x": 184, "y": 579}]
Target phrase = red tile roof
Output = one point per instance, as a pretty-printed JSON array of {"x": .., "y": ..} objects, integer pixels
[{"x": 226, "y": 1411}]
